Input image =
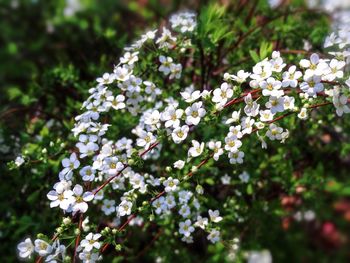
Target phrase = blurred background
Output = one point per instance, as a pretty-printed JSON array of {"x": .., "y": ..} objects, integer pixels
[{"x": 50, "y": 55}]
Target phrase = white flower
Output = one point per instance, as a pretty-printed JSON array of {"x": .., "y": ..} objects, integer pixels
[
  {"x": 184, "y": 211},
  {"x": 303, "y": 114},
  {"x": 314, "y": 66},
  {"x": 160, "y": 205},
  {"x": 271, "y": 87},
  {"x": 335, "y": 70},
  {"x": 261, "y": 71},
  {"x": 275, "y": 104},
  {"x": 81, "y": 199},
  {"x": 117, "y": 102},
  {"x": 189, "y": 95},
  {"x": 266, "y": 115},
  {"x": 251, "y": 108},
  {"x": 165, "y": 66},
  {"x": 194, "y": 113},
  {"x": 145, "y": 140},
  {"x": 87, "y": 173},
  {"x": 196, "y": 149},
  {"x": 311, "y": 85},
  {"x": 19, "y": 161},
  {"x": 236, "y": 157},
  {"x": 339, "y": 102},
  {"x": 216, "y": 148},
  {"x": 106, "y": 79},
  {"x": 152, "y": 118},
  {"x": 90, "y": 242},
  {"x": 180, "y": 133},
  {"x": 175, "y": 71},
  {"x": 240, "y": 77},
  {"x": 222, "y": 94},
  {"x": 244, "y": 177},
  {"x": 108, "y": 206},
  {"x": 288, "y": 103},
  {"x": 172, "y": 116},
  {"x": 124, "y": 208},
  {"x": 166, "y": 40},
  {"x": 290, "y": 77},
  {"x": 214, "y": 236},
  {"x": 61, "y": 196},
  {"x": 225, "y": 179},
  {"x": 26, "y": 248},
  {"x": 232, "y": 143},
  {"x": 89, "y": 257},
  {"x": 122, "y": 73},
  {"x": 247, "y": 125},
  {"x": 70, "y": 164},
  {"x": 179, "y": 164},
  {"x": 129, "y": 58},
  {"x": 42, "y": 247},
  {"x": 234, "y": 117},
  {"x": 274, "y": 132},
  {"x": 112, "y": 165},
  {"x": 214, "y": 216},
  {"x": 201, "y": 222},
  {"x": 186, "y": 228},
  {"x": 170, "y": 184}
]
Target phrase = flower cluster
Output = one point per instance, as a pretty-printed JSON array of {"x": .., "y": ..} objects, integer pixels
[{"x": 271, "y": 91}]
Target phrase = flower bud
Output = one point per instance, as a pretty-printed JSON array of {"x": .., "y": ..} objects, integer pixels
[
  {"x": 168, "y": 169},
  {"x": 66, "y": 221},
  {"x": 77, "y": 231},
  {"x": 118, "y": 247},
  {"x": 131, "y": 162},
  {"x": 199, "y": 189}
]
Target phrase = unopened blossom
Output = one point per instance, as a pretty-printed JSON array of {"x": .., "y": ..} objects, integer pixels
[
  {"x": 42, "y": 247},
  {"x": 90, "y": 242},
  {"x": 194, "y": 113},
  {"x": 274, "y": 132},
  {"x": 216, "y": 147},
  {"x": 214, "y": 216},
  {"x": 186, "y": 228},
  {"x": 236, "y": 157},
  {"x": 196, "y": 149},
  {"x": 170, "y": 184},
  {"x": 180, "y": 133},
  {"x": 214, "y": 236},
  {"x": 26, "y": 248},
  {"x": 290, "y": 77},
  {"x": 124, "y": 208}
]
